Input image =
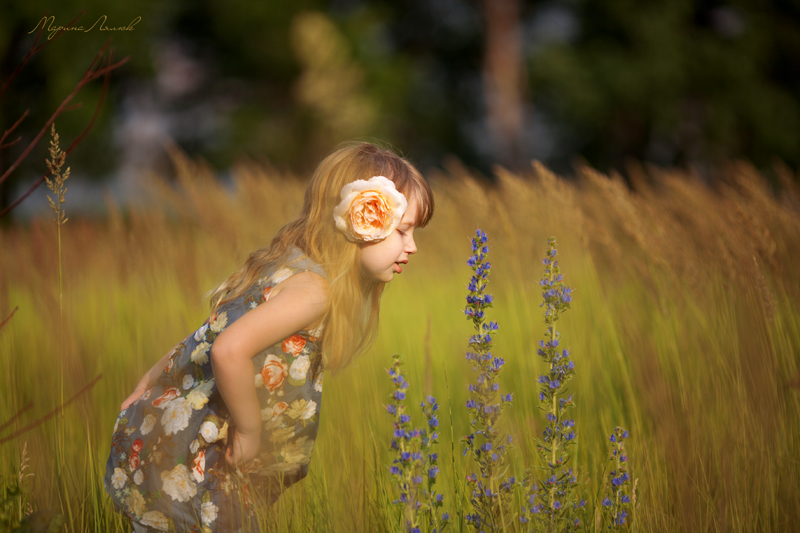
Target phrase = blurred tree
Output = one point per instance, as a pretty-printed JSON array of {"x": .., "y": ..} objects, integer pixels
[
  {"x": 668, "y": 81},
  {"x": 674, "y": 81}
]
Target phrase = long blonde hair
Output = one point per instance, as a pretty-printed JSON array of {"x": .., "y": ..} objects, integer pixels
[{"x": 351, "y": 318}]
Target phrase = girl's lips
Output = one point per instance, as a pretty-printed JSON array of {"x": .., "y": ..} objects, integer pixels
[{"x": 399, "y": 268}]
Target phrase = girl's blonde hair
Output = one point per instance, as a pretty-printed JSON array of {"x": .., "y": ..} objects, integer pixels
[{"x": 351, "y": 319}]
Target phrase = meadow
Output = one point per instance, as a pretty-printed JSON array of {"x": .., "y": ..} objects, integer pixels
[{"x": 684, "y": 328}]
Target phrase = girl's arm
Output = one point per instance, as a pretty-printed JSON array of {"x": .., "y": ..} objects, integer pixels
[
  {"x": 301, "y": 301},
  {"x": 147, "y": 380}
]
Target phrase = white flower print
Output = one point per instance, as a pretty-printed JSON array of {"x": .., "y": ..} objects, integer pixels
[
  {"x": 199, "y": 396},
  {"x": 135, "y": 502},
  {"x": 119, "y": 479},
  {"x": 209, "y": 431},
  {"x": 138, "y": 477},
  {"x": 147, "y": 424},
  {"x": 219, "y": 321},
  {"x": 299, "y": 368},
  {"x": 318, "y": 384},
  {"x": 188, "y": 381},
  {"x": 308, "y": 412},
  {"x": 155, "y": 519},
  {"x": 302, "y": 409},
  {"x": 298, "y": 452},
  {"x": 316, "y": 332},
  {"x": 176, "y": 416},
  {"x": 280, "y": 275},
  {"x": 281, "y": 434},
  {"x": 200, "y": 354},
  {"x": 200, "y": 334},
  {"x": 208, "y": 512},
  {"x": 259, "y": 381},
  {"x": 178, "y": 483},
  {"x": 194, "y": 446}
]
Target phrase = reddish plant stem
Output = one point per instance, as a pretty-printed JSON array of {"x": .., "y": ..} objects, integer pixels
[
  {"x": 88, "y": 77},
  {"x": 51, "y": 414},
  {"x": 11, "y": 420},
  {"x": 3, "y": 323}
]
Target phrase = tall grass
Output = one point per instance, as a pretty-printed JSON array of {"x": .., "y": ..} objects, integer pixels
[{"x": 685, "y": 320}]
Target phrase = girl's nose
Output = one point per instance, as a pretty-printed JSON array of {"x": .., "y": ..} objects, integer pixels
[{"x": 411, "y": 247}]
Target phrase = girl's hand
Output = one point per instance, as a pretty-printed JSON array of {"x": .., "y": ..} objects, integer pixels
[
  {"x": 242, "y": 448},
  {"x": 137, "y": 392}
]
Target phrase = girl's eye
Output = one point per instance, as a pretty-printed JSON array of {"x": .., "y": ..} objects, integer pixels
[{"x": 401, "y": 233}]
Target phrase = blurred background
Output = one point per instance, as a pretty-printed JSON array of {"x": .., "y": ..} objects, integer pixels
[
  {"x": 669, "y": 139},
  {"x": 670, "y": 82}
]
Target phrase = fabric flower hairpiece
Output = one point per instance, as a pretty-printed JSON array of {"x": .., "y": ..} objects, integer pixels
[{"x": 370, "y": 210}]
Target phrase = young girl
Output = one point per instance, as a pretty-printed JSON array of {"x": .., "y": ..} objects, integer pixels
[{"x": 229, "y": 416}]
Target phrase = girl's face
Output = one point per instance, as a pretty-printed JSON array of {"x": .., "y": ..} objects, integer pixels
[{"x": 381, "y": 260}]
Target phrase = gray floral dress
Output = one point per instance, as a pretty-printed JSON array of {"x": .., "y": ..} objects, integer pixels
[{"x": 167, "y": 469}]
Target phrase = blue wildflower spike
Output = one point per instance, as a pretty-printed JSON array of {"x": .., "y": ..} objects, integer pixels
[
  {"x": 414, "y": 460},
  {"x": 554, "y": 505},
  {"x": 485, "y": 445},
  {"x": 617, "y": 505}
]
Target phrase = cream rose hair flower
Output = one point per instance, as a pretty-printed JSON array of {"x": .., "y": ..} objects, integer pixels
[{"x": 369, "y": 210}]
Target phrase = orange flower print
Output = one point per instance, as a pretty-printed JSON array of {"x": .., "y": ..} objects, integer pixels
[
  {"x": 267, "y": 290},
  {"x": 274, "y": 372},
  {"x": 133, "y": 462},
  {"x": 293, "y": 345},
  {"x": 198, "y": 470},
  {"x": 170, "y": 394},
  {"x": 279, "y": 408},
  {"x": 137, "y": 446}
]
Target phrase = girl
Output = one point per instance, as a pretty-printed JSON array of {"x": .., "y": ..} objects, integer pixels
[{"x": 229, "y": 416}]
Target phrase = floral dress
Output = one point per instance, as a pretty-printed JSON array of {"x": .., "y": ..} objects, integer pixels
[{"x": 167, "y": 467}]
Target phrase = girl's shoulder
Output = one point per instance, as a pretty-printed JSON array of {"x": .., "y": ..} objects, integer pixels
[{"x": 294, "y": 261}]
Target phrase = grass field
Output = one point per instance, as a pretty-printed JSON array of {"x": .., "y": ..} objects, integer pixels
[{"x": 685, "y": 329}]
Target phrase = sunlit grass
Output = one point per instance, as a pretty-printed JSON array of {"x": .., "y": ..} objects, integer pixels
[{"x": 673, "y": 335}]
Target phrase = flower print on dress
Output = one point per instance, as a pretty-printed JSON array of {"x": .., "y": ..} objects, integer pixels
[
  {"x": 199, "y": 468},
  {"x": 119, "y": 479},
  {"x": 200, "y": 334},
  {"x": 178, "y": 483},
  {"x": 155, "y": 519},
  {"x": 281, "y": 275},
  {"x": 299, "y": 368},
  {"x": 273, "y": 373},
  {"x": 135, "y": 503},
  {"x": 302, "y": 409},
  {"x": 148, "y": 424},
  {"x": 297, "y": 452},
  {"x": 198, "y": 397},
  {"x": 169, "y": 394},
  {"x": 176, "y": 416},
  {"x": 200, "y": 353},
  {"x": 219, "y": 321},
  {"x": 293, "y": 345},
  {"x": 209, "y": 431},
  {"x": 208, "y": 512}
]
